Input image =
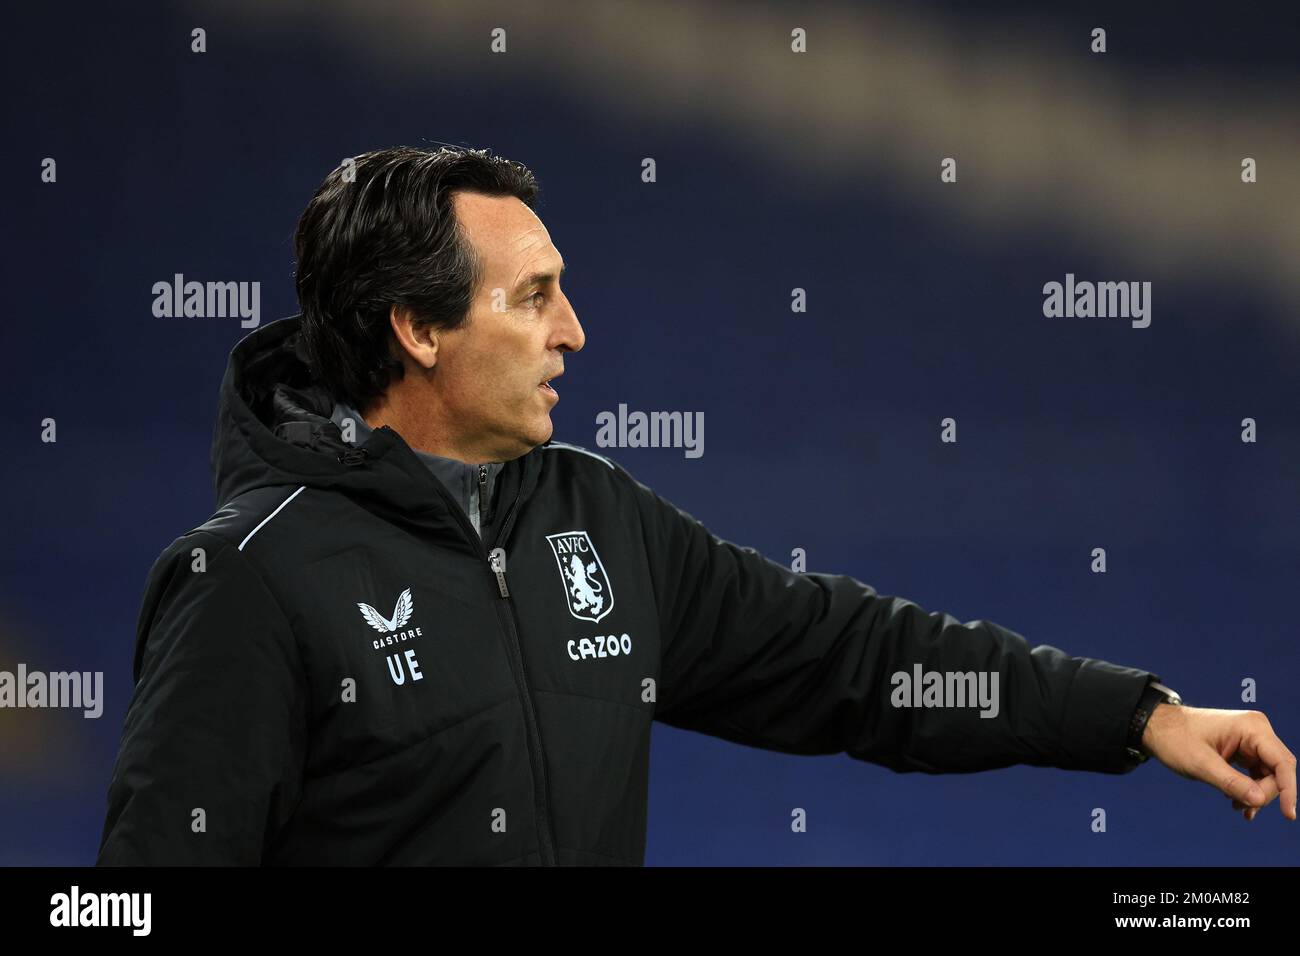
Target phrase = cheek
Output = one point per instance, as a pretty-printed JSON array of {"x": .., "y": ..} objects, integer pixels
[
  {"x": 508, "y": 372},
  {"x": 506, "y": 385}
]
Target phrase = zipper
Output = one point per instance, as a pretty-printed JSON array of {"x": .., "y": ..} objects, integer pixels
[
  {"x": 545, "y": 830},
  {"x": 499, "y": 567},
  {"x": 482, "y": 498}
]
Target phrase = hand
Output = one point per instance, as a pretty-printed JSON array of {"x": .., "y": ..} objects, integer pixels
[{"x": 1198, "y": 743}]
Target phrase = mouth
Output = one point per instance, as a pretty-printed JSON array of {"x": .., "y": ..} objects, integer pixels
[{"x": 546, "y": 386}]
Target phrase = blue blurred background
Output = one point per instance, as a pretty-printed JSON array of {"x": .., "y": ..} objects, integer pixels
[{"x": 776, "y": 171}]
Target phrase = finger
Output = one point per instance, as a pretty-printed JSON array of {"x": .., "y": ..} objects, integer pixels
[
  {"x": 1266, "y": 782},
  {"x": 1215, "y": 771},
  {"x": 1272, "y": 753}
]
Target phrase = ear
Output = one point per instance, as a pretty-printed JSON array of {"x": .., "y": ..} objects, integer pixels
[{"x": 420, "y": 343}]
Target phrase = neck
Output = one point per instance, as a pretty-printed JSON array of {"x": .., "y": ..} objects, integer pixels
[{"x": 421, "y": 430}]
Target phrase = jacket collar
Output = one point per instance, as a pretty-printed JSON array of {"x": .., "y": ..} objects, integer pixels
[
  {"x": 463, "y": 479},
  {"x": 274, "y": 427}
]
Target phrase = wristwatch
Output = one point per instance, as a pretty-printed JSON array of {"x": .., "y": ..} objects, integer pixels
[{"x": 1154, "y": 694}]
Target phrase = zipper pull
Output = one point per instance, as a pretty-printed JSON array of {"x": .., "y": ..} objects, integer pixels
[
  {"x": 482, "y": 495},
  {"x": 497, "y": 561}
]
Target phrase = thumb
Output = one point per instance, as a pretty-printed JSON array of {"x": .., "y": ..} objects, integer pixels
[{"x": 1217, "y": 772}]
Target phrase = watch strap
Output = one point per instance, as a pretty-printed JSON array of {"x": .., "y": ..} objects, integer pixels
[{"x": 1154, "y": 694}]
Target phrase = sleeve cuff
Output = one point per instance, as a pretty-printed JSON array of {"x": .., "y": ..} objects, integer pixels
[{"x": 1094, "y": 733}]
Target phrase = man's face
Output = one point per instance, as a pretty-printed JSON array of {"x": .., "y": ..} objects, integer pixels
[{"x": 489, "y": 372}]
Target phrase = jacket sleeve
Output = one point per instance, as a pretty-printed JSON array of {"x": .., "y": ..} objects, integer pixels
[
  {"x": 806, "y": 663},
  {"x": 216, "y": 722}
]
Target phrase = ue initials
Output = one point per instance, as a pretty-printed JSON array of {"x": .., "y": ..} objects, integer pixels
[{"x": 397, "y": 670}]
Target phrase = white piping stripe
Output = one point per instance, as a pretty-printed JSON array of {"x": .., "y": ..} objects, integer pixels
[
  {"x": 270, "y": 516},
  {"x": 583, "y": 451}
]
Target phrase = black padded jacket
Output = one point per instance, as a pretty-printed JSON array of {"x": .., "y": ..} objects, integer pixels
[{"x": 336, "y": 669}]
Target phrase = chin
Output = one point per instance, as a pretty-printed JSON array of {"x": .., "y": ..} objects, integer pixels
[{"x": 540, "y": 434}]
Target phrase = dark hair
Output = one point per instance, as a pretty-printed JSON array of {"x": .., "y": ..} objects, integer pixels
[{"x": 389, "y": 236}]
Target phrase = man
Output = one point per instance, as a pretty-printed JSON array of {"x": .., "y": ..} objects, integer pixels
[{"x": 417, "y": 630}]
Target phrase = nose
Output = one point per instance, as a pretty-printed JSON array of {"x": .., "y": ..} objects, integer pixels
[{"x": 568, "y": 334}]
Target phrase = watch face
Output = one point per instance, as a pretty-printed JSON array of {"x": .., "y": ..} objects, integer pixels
[{"x": 1169, "y": 692}]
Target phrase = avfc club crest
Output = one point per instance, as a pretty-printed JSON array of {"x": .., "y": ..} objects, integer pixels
[{"x": 586, "y": 585}]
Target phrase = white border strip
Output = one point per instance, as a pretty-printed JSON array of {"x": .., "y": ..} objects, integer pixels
[
  {"x": 270, "y": 516},
  {"x": 560, "y": 444}
]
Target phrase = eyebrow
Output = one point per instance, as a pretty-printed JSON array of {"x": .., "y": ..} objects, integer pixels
[{"x": 540, "y": 277}]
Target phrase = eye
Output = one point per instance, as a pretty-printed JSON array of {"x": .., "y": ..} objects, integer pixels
[{"x": 535, "y": 295}]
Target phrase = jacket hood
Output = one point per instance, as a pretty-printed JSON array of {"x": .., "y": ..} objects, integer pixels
[{"x": 273, "y": 428}]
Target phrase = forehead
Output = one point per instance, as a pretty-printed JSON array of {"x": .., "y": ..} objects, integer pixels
[{"x": 508, "y": 237}]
